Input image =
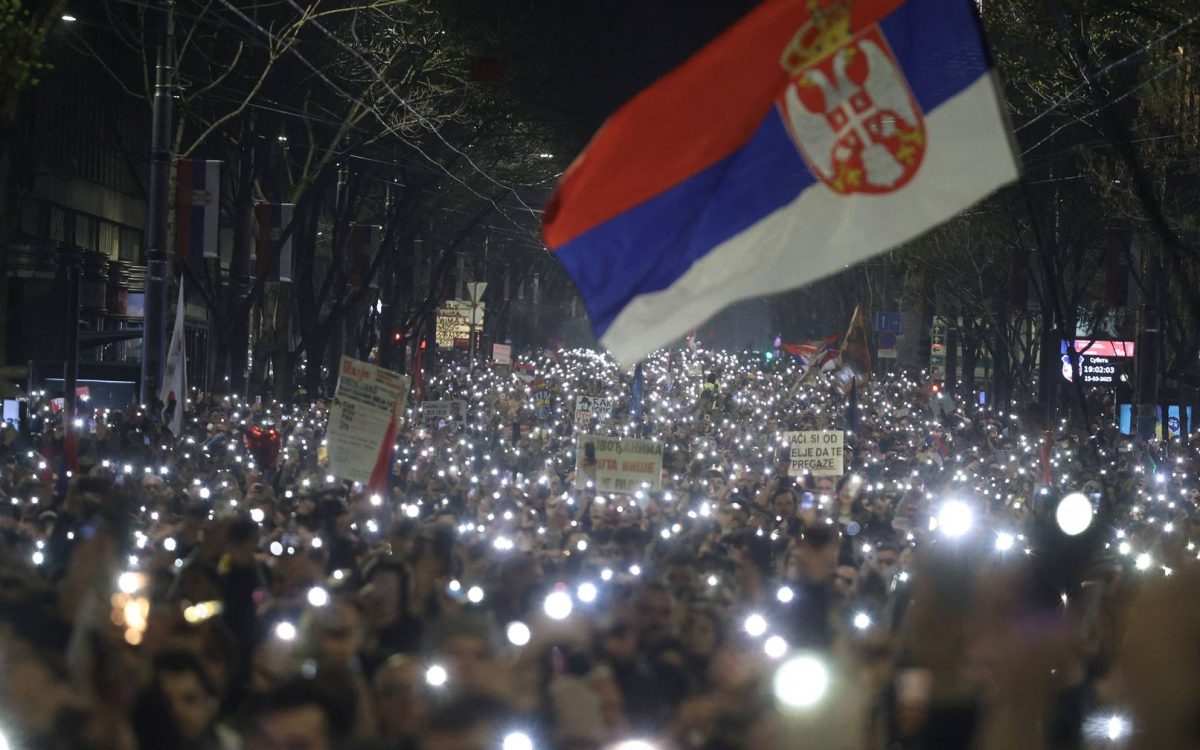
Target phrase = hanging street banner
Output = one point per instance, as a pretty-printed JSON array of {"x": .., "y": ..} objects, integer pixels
[
  {"x": 618, "y": 464},
  {"x": 587, "y": 407},
  {"x": 815, "y": 452},
  {"x": 454, "y": 321},
  {"x": 433, "y": 412},
  {"x": 362, "y": 421}
]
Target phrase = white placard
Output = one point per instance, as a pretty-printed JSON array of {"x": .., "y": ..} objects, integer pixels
[
  {"x": 433, "y": 412},
  {"x": 618, "y": 464},
  {"x": 502, "y": 354},
  {"x": 367, "y": 400},
  {"x": 816, "y": 452},
  {"x": 454, "y": 321},
  {"x": 587, "y": 407}
]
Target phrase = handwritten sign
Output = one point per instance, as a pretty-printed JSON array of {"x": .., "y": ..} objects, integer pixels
[
  {"x": 362, "y": 422},
  {"x": 587, "y": 407},
  {"x": 816, "y": 452},
  {"x": 618, "y": 464},
  {"x": 454, "y": 322}
]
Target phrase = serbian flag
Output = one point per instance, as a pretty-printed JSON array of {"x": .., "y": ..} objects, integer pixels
[
  {"x": 197, "y": 208},
  {"x": 809, "y": 136},
  {"x": 273, "y": 220}
]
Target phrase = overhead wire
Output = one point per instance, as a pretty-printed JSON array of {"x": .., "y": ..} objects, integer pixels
[
  {"x": 431, "y": 126},
  {"x": 1137, "y": 53},
  {"x": 391, "y": 130}
]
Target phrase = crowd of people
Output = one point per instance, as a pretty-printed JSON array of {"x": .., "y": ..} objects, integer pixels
[{"x": 965, "y": 579}]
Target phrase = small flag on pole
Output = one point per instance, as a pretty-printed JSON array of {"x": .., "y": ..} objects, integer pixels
[
  {"x": 174, "y": 385},
  {"x": 809, "y": 136},
  {"x": 197, "y": 208},
  {"x": 856, "y": 352},
  {"x": 273, "y": 221}
]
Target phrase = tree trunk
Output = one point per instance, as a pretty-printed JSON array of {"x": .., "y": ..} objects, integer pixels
[{"x": 314, "y": 359}]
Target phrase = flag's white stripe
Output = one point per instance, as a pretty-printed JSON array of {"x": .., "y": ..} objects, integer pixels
[{"x": 820, "y": 232}]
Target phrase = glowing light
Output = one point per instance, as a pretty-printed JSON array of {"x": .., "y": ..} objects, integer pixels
[
  {"x": 318, "y": 597},
  {"x": 436, "y": 675},
  {"x": 475, "y": 595},
  {"x": 1116, "y": 727},
  {"x": 129, "y": 582},
  {"x": 285, "y": 631},
  {"x": 755, "y": 625},
  {"x": 558, "y": 605},
  {"x": 955, "y": 519},
  {"x": 801, "y": 682},
  {"x": 587, "y": 592},
  {"x": 1143, "y": 561},
  {"x": 1004, "y": 541},
  {"x": 634, "y": 745},
  {"x": 862, "y": 621},
  {"x": 516, "y": 741},
  {"x": 775, "y": 647},
  {"x": 1074, "y": 514},
  {"x": 518, "y": 633},
  {"x": 785, "y": 594}
]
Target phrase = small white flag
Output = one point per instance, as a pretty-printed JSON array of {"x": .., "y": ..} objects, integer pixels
[{"x": 174, "y": 385}]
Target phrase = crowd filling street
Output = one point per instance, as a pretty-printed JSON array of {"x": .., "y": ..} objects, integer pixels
[{"x": 954, "y": 576}]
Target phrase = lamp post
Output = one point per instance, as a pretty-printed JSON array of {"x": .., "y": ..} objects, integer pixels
[{"x": 154, "y": 329}]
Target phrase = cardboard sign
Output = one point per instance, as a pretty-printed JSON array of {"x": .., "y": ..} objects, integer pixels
[
  {"x": 587, "y": 407},
  {"x": 618, "y": 464},
  {"x": 816, "y": 452},
  {"x": 433, "y": 412},
  {"x": 362, "y": 421},
  {"x": 502, "y": 354},
  {"x": 454, "y": 321}
]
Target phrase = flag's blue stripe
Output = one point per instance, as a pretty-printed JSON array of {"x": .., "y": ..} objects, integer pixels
[
  {"x": 939, "y": 46},
  {"x": 650, "y": 246}
]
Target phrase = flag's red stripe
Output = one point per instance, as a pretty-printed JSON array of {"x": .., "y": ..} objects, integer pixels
[{"x": 692, "y": 118}]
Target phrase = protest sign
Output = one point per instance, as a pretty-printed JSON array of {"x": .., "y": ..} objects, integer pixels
[
  {"x": 362, "y": 421},
  {"x": 816, "y": 452},
  {"x": 541, "y": 397},
  {"x": 454, "y": 322},
  {"x": 502, "y": 354},
  {"x": 618, "y": 464},
  {"x": 587, "y": 407},
  {"x": 433, "y": 412}
]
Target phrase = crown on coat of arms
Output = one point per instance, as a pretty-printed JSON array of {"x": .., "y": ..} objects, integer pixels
[{"x": 827, "y": 28}]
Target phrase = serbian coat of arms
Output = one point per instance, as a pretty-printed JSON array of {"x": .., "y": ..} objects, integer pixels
[{"x": 848, "y": 107}]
